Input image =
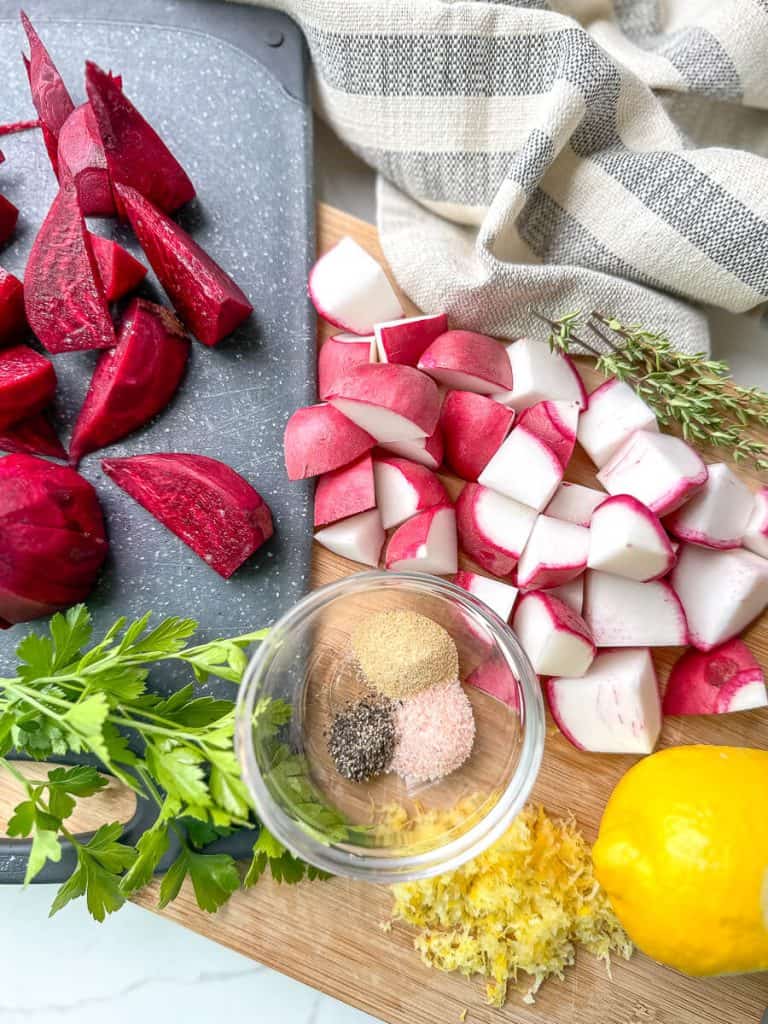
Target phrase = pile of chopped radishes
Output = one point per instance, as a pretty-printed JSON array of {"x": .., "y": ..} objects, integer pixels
[{"x": 669, "y": 553}]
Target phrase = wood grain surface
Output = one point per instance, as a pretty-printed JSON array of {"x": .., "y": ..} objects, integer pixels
[{"x": 328, "y": 935}]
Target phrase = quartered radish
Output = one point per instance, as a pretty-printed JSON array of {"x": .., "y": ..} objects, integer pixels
[
  {"x": 727, "y": 678},
  {"x": 493, "y": 529},
  {"x": 338, "y": 356},
  {"x": 660, "y": 470},
  {"x": 345, "y": 492},
  {"x": 500, "y": 597},
  {"x": 474, "y": 428},
  {"x": 467, "y": 361},
  {"x": 625, "y": 613},
  {"x": 496, "y": 678},
  {"x": 575, "y": 503},
  {"x": 572, "y": 593},
  {"x": 359, "y": 538},
  {"x": 614, "y": 708},
  {"x": 541, "y": 375},
  {"x": 556, "y": 552},
  {"x": 404, "y": 488},
  {"x": 756, "y": 533},
  {"x": 615, "y": 411},
  {"x": 717, "y": 516},
  {"x": 404, "y": 341},
  {"x": 389, "y": 401},
  {"x": 427, "y": 451},
  {"x": 319, "y": 439},
  {"x": 350, "y": 290},
  {"x": 425, "y": 543},
  {"x": 627, "y": 539},
  {"x": 556, "y": 639}
]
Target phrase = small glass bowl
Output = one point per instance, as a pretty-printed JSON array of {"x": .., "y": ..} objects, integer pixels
[{"x": 361, "y": 830}]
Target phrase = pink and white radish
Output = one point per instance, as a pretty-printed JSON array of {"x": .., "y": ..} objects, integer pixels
[
  {"x": 493, "y": 530},
  {"x": 572, "y": 593},
  {"x": 575, "y": 503},
  {"x": 427, "y": 451},
  {"x": 627, "y": 539},
  {"x": 500, "y": 597},
  {"x": 338, "y": 356},
  {"x": 717, "y": 516},
  {"x": 614, "y": 708},
  {"x": 426, "y": 543},
  {"x": 756, "y": 533},
  {"x": 556, "y": 552},
  {"x": 615, "y": 411},
  {"x": 540, "y": 375},
  {"x": 625, "y": 613},
  {"x": 359, "y": 538},
  {"x": 474, "y": 427},
  {"x": 727, "y": 678},
  {"x": 350, "y": 290},
  {"x": 389, "y": 401},
  {"x": 660, "y": 470},
  {"x": 345, "y": 492},
  {"x": 404, "y": 341},
  {"x": 721, "y": 592},
  {"x": 467, "y": 361},
  {"x": 497, "y": 679},
  {"x": 404, "y": 488},
  {"x": 319, "y": 439},
  {"x": 556, "y": 639}
]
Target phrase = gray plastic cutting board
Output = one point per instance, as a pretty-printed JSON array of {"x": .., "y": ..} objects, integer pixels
[{"x": 225, "y": 85}]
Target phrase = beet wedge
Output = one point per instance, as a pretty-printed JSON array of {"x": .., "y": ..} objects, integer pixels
[
  {"x": 120, "y": 272},
  {"x": 204, "y": 502},
  {"x": 32, "y": 436},
  {"x": 63, "y": 294},
  {"x": 49, "y": 93},
  {"x": 206, "y": 298},
  {"x": 13, "y": 320},
  {"x": 27, "y": 384},
  {"x": 9, "y": 215},
  {"x": 133, "y": 382},
  {"x": 136, "y": 155},
  {"x": 82, "y": 157}
]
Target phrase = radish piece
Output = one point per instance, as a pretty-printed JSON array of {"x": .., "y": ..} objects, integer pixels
[
  {"x": 727, "y": 678},
  {"x": 404, "y": 341},
  {"x": 614, "y": 708},
  {"x": 133, "y": 382},
  {"x": 572, "y": 593},
  {"x": 493, "y": 530},
  {"x": 9, "y": 215},
  {"x": 721, "y": 591},
  {"x": 136, "y": 155},
  {"x": 319, "y": 439},
  {"x": 556, "y": 552},
  {"x": 349, "y": 289},
  {"x": 425, "y": 543},
  {"x": 540, "y": 375},
  {"x": 13, "y": 319},
  {"x": 627, "y": 539},
  {"x": 49, "y": 93},
  {"x": 500, "y": 597},
  {"x": 660, "y": 470},
  {"x": 338, "y": 356},
  {"x": 120, "y": 273},
  {"x": 614, "y": 413},
  {"x": 625, "y": 613},
  {"x": 556, "y": 640},
  {"x": 206, "y": 298},
  {"x": 404, "y": 488},
  {"x": 474, "y": 428},
  {"x": 574, "y": 503},
  {"x": 756, "y": 533},
  {"x": 32, "y": 436},
  {"x": 496, "y": 678},
  {"x": 81, "y": 156},
  {"x": 392, "y": 402},
  {"x": 468, "y": 362},
  {"x": 427, "y": 451},
  {"x": 717, "y": 516},
  {"x": 209, "y": 506},
  {"x": 359, "y": 538},
  {"x": 345, "y": 492},
  {"x": 27, "y": 384},
  {"x": 530, "y": 464}
]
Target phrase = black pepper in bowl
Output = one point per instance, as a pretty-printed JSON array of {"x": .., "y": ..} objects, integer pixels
[{"x": 362, "y": 738}]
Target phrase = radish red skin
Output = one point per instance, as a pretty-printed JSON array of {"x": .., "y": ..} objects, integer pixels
[
  {"x": 703, "y": 683},
  {"x": 336, "y": 359},
  {"x": 495, "y": 678},
  {"x": 13, "y": 319},
  {"x": 32, "y": 436},
  {"x": 49, "y": 93},
  {"x": 27, "y": 384},
  {"x": 345, "y": 492},
  {"x": 318, "y": 439},
  {"x": 120, "y": 273},
  {"x": 473, "y": 428},
  {"x": 81, "y": 155}
]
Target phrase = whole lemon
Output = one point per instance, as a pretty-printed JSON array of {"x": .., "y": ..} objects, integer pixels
[{"x": 683, "y": 856}]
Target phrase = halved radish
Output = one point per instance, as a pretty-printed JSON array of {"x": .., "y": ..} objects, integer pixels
[
  {"x": 614, "y": 708},
  {"x": 493, "y": 530},
  {"x": 350, "y": 290},
  {"x": 756, "y": 533},
  {"x": 727, "y": 678},
  {"x": 615, "y": 412},
  {"x": 540, "y": 375},
  {"x": 625, "y": 613},
  {"x": 345, "y": 492},
  {"x": 496, "y": 678},
  {"x": 721, "y": 591},
  {"x": 556, "y": 552},
  {"x": 468, "y": 362},
  {"x": 717, "y": 516},
  {"x": 27, "y": 383},
  {"x": 660, "y": 470},
  {"x": 404, "y": 488},
  {"x": 338, "y": 356},
  {"x": 500, "y": 597},
  {"x": 13, "y": 319},
  {"x": 556, "y": 639},
  {"x": 391, "y": 402},
  {"x": 359, "y": 538},
  {"x": 575, "y": 503},
  {"x": 427, "y": 451},
  {"x": 404, "y": 341},
  {"x": 319, "y": 439},
  {"x": 473, "y": 429},
  {"x": 572, "y": 593},
  {"x": 627, "y": 539},
  {"x": 426, "y": 543}
]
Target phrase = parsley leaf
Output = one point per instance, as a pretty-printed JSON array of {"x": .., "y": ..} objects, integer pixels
[{"x": 214, "y": 878}]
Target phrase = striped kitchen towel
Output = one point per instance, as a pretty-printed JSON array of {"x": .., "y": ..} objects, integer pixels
[{"x": 570, "y": 154}]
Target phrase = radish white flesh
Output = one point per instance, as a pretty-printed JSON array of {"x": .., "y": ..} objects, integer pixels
[
  {"x": 556, "y": 552},
  {"x": 539, "y": 375},
  {"x": 426, "y": 543},
  {"x": 500, "y": 597},
  {"x": 467, "y": 361},
  {"x": 721, "y": 591},
  {"x": 493, "y": 530},
  {"x": 496, "y": 678},
  {"x": 345, "y": 492},
  {"x": 756, "y": 534},
  {"x": 625, "y": 613},
  {"x": 427, "y": 451},
  {"x": 575, "y": 503},
  {"x": 404, "y": 341},
  {"x": 338, "y": 357},
  {"x": 319, "y": 439},
  {"x": 614, "y": 708},
  {"x": 627, "y": 539},
  {"x": 390, "y": 402},
  {"x": 474, "y": 427},
  {"x": 349, "y": 289},
  {"x": 572, "y": 593},
  {"x": 717, "y": 516},
  {"x": 359, "y": 538},
  {"x": 660, "y": 470},
  {"x": 715, "y": 682},
  {"x": 404, "y": 488},
  {"x": 615, "y": 411},
  {"x": 556, "y": 639}
]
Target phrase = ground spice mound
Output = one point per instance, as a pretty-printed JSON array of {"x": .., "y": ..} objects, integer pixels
[
  {"x": 361, "y": 740},
  {"x": 402, "y": 652},
  {"x": 435, "y": 733}
]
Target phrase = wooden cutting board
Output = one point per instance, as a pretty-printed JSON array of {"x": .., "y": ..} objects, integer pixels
[{"x": 328, "y": 935}]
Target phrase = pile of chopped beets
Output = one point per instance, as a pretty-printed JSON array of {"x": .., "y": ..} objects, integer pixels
[
  {"x": 669, "y": 552},
  {"x": 108, "y": 161}
]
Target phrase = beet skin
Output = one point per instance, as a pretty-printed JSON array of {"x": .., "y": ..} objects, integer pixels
[
  {"x": 82, "y": 157},
  {"x": 27, "y": 383}
]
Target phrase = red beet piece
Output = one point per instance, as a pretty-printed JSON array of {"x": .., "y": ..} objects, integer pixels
[
  {"x": 8, "y": 217},
  {"x": 32, "y": 436},
  {"x": 49, "y": 93},
  {"x": 13, "y": 320},
  {"x": 63, "y": 294},
  {"x": 81, "y": 155},
  {"x": 18, "y": 126},
  {"x": 119, "y": 271},
  {"x": 133, "y": 382},
  {"x": 205, "y": 297},
  {"x": 136, "y": 155},
  {"x": 205, "y": 503},
  {"x": 27, "y": 383}
]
